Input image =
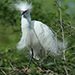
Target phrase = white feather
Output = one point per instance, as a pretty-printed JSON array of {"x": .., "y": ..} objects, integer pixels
[
  {"x": 22, "y": 5},
  {"x": 37, "y": 35}
]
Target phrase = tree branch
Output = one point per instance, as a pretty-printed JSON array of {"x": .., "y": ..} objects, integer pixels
[
  {"x": 3, "y": 72},
  {"x": 70, "y": 47},
  {"x": 62, "y": 36}
]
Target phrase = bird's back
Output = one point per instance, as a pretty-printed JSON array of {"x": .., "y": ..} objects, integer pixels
[{"x": 47, "y": 38}]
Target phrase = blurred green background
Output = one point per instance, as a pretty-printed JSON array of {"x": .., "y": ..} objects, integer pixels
[{"x": 47, "y": 12}]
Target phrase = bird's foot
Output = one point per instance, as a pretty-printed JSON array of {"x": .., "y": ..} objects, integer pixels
[
  {"x": 41, "y": 71},
  {"x": 24, "y": 70}
]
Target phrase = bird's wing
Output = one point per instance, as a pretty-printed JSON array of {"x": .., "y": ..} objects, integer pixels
[
  {"x": 43, "y": 32},
  {"x": 46, "y": 38}
]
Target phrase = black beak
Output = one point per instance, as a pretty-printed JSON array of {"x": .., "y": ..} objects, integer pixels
[{"x": 22, "y": 13}]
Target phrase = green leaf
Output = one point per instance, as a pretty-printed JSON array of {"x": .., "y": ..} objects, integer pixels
[
  {"x": 51, "y": 63},
  {"x": 1, "y": 63}
]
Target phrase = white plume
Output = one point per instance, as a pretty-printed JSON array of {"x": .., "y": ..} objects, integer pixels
[{"x": 23, "y": 5}]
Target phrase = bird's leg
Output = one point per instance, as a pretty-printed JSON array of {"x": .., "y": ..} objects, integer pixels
[
  {"x": 40, "y": 60},
  {"x": 30, "y": 58},
  {"x": 29, "y": 62}
]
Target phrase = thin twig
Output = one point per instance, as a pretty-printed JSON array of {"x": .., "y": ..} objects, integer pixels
[
  {"x": 23, "y": 66},
  {"x": 71, "y": 26},
  {"x": 11, "y": 65},
  {"x": 63, "y": 37},
  {"x": 62, "y": 30},
  {"x": 57, "y": 3},
  {"x": 70, "y": 47},
  {"x": 69, "y": 36},
  {"x": 66, "y": 70},
  {"x": 56, "y": 33},
  {"x": 3, "y": 72},
  {"x": 44, "y": 67},
  {"x": 5, "y": 68}
]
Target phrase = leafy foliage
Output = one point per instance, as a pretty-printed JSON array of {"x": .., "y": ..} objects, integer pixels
[{"x": 13, "y": 61}]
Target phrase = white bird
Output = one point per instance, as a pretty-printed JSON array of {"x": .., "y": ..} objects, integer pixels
[{"x": 36, "y": 36}]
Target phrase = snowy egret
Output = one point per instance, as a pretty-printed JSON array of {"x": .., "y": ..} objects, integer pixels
[{"x": 36, "y": 36}]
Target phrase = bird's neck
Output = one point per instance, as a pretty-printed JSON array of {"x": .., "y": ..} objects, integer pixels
[
  {"x": 25, "y": 22},
  {"x": 29, "y": 19}
]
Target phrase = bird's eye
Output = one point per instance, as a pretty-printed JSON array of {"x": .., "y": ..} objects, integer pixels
[{"x": 24, "y": 10}]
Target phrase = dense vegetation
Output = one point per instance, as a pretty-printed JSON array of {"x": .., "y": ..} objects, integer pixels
[{"x": 13, "y": 61}]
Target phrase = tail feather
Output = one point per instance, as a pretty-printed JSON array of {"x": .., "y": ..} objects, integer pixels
[{"x": 57, "y": 47}]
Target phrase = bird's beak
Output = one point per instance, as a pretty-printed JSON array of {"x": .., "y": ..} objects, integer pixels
[{"x": 22, "y": 13}]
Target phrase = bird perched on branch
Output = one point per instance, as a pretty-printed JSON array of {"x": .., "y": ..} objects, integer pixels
[{"x": 36, "y": 36}]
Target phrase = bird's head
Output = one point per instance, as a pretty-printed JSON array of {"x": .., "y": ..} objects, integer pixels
[{"x": 24, "y": 7}]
